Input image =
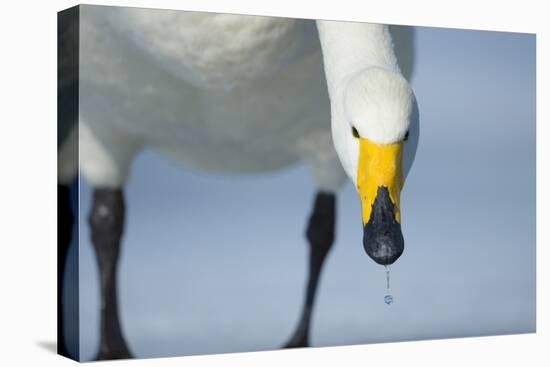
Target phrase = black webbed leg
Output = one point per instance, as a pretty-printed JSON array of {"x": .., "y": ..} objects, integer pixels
[
  {"x": 320, "y": 235},
  {"x": 107, "y": 222},
  {"x": 65, "y": 221}
]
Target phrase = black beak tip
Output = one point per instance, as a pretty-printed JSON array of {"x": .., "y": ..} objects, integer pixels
[
  {"x": 382, "y": 237},
  {"x": 384, "y": 248}
]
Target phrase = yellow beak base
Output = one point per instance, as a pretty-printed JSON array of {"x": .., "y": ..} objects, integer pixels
[{"x": 380, "y": 165}]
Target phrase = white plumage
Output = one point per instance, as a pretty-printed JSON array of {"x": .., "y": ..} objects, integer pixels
[{"x": 232, "y": 93}]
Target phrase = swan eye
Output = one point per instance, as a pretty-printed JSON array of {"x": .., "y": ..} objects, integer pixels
[
  {"x": 355, "y": 132},
  {"x": 406, "y": 136}
]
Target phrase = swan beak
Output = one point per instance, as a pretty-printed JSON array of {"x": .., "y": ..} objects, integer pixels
[{"x": 379, "y": 182}]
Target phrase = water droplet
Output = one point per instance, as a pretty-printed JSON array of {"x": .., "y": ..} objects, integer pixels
[
  {"x": 387, "y": 277},
  {"x": 388, "y": 299}
]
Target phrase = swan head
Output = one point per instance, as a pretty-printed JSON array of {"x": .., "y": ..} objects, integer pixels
[{"x": 377, "y": 106}]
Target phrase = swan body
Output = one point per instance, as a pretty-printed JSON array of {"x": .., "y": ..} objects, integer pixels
[{"x": 218, "y": 92}]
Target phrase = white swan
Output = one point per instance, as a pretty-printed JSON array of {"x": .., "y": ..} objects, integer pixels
[{"x": 240, "y": 94}]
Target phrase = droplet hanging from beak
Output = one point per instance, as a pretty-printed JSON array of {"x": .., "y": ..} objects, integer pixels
[{"x": 388, "y": 298}]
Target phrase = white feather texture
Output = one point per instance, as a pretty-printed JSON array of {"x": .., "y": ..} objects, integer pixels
[
  {"x": 378, "y": 103},
  {"x": 215, "y": 50}
]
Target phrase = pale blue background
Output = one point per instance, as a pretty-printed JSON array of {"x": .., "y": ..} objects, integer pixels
[{"x": 218, "y": 264}]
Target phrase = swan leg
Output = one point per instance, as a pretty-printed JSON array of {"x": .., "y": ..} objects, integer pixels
[
  {"x": 320, "y": 235},
  {"x": 65, "y": 222},
  {"x": 107, "y": 221},
  {"x": 67, "y": 171},
  {"x": 105, "y": 157}
]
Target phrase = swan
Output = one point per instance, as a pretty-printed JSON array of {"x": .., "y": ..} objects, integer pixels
[{"x": 236, "y": 94}]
